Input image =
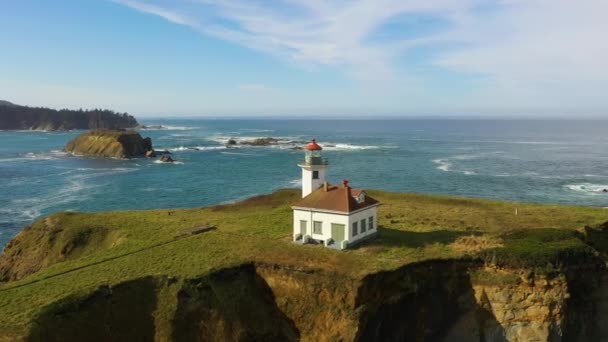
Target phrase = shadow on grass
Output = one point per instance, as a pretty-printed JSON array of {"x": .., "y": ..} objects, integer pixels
[{"x": 391, "y": 237}]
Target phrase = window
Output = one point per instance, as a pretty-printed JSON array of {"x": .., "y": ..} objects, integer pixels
[
  {"x": 355, "y": 228},
  {"x": 363, "y": 229},
  {"x": 337, "y": 232},
  {"x": 317, "y": 227},
  {"x": 303, "y": 227},
  {"x": 370, "y": 223},
  {"x": 315, "y": 175}
]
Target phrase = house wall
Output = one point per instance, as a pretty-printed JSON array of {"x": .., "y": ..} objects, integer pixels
[
  {"x": 357, "y": 217},
  {"x": 326, "y": 218}
]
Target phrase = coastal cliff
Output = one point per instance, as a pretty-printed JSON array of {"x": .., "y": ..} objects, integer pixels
[
  {"x": 426, "y": 278},
  {"x": 110, "y": 143},
  {"x": 15, "y": 117}
]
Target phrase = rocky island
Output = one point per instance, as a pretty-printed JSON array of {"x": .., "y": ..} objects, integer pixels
[
  {"x": 442, "y": 269},
  {"x": 16, "y": 117},
  {"x": 111, "y": 143}
]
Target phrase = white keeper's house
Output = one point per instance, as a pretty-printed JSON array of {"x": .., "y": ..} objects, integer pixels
[{"x": 335, "y": 215}]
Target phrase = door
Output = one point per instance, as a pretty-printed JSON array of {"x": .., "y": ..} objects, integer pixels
[
  {"x": 303, "y": 227},
  {"x": 338, "y": 232}
]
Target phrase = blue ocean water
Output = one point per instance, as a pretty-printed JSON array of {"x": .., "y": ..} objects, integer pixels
[{"x": 559, "y": 161}]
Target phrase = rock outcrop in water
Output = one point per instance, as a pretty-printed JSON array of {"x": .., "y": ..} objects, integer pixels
[
  {"x": 260, "y": 142},
  {"x": 15, "y": 117},
  {"x": 110, "y": 143}
]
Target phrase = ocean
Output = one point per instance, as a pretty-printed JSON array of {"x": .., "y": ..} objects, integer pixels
[{"x": 542, "y": 161}]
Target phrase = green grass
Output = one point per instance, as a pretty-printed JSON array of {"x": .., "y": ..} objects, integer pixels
[
  {"x": 541, "y": 249},
  {"x": 113, "y": 247}
]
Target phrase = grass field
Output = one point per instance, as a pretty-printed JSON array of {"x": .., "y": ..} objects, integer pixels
[{"x": 81, "y": 251}]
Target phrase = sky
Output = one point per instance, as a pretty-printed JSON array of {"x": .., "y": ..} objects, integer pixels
[{"x": 168, "y": 58}]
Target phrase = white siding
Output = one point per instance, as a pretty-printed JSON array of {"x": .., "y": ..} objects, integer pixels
[
  {"x": 308, "y": 184},
  {"x": 357, "y": 217},
  {"x": 326, "y": 218}
]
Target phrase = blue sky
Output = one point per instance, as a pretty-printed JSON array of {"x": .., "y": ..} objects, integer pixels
[{"x": 301, "y": 57}]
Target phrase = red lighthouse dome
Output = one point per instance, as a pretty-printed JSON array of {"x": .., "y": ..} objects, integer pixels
[{"x": 313, "y": 146}]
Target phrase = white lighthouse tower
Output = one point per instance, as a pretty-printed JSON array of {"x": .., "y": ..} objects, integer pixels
[{"x": 314, "y": 168}]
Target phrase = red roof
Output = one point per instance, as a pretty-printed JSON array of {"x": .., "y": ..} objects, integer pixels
[
  {"x": 313, "y": 146},
  {"x": 336, "y": 198}
]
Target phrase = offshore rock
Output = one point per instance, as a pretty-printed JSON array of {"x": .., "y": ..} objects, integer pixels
[{"x": 110, "y": 143}]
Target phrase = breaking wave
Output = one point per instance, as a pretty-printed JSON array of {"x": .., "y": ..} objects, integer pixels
[
  {"x": 589, "y": 188},
  {"x": 194, "y": 148},
  {"x": 446, "y": 166},
  {"x": 176, "y": 162}
]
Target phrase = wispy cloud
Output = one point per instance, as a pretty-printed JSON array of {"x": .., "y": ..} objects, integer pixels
[
  {"x": 522, "y": 49},
  {"x": 162, "y": 12},
  {"x": 308, "y": 32}
]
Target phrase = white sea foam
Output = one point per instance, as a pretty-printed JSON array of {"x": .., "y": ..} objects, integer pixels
[
  {"x": 168, "y": 128},
  {"x": 442, "y": 164},
  {"x": 222, "y": 139},
  {"x": 241, "y": 154},
  {"x": 255, "y": 130},
  {"x": 296, "y": 183},
  {"x": 588, "y": 188},
  {"x": 78, "y": 188},
  {"x": 347, "y": 147},
  {"x": 158, "y": 161},
  {"x": 195, "y": 148},
  {"x": 446, "y": 166},
  {"x": 523, "y": 142},
  {"x": 180, "y": 128},
  {"x": 31, "y": 156}
]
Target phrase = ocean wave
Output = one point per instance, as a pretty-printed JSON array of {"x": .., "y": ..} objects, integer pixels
[
  {"x": 255, "y": 130},
  {"x": 520, "y": 142},
  {"x": 446, "y": 166},
  {"x": 10, "y": 215},
  {"x": 222, "y": 139},
  {"x": 108, "y": 170},
  {"x": 296, "y": 183},
  {"x": 77, "y": 188},
  {"x": 158, "y": 161},
  {"x": 346, "y": 147},
  {"x": 32, "y": 156},
  {"x": 168, "y": 128},
  {"x": 194, "y": 148},
  {"x": 241, "y": 154},
  {"x": 588, "y": 188},
  {"x": 443, "y": 164},
  {"x": 291, "y": 142}
]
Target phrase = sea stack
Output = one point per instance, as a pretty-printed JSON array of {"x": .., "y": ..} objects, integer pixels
[{"x": 110, "y": 143}]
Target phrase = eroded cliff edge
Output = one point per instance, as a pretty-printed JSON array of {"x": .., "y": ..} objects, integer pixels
[
  {"x": 430, "y": 301},
  {"x": 133, "y": 275}
]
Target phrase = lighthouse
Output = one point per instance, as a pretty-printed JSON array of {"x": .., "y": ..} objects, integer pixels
[
  {"x": 314, "y": 168},
  {"x": 337, "y": 216}
]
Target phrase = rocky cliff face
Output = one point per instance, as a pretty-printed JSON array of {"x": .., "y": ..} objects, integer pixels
[
  {"x": 110, "y": 143},
  {"x": 14, "y": 117},
  {"x": 430, "y": 301}
]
